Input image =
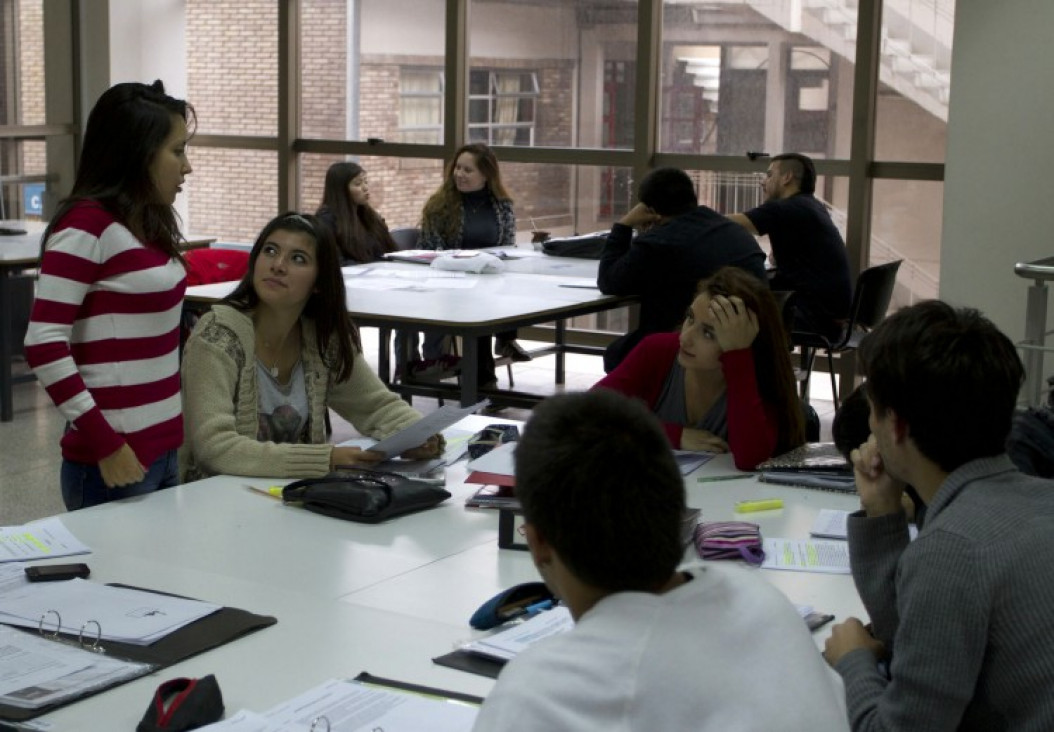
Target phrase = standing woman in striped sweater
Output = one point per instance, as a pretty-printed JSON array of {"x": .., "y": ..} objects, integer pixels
[{"x": 103, "y": 336}]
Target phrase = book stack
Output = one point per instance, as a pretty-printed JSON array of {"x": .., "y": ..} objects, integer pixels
[{"x": 816, "y": 465}]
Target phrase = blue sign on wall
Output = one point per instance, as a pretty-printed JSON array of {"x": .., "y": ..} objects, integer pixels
[{"x": 33, "y": 199}]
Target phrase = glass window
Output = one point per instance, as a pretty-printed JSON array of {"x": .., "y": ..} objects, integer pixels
[
  {"x": 420, "y": 106},
  {"x": 231, "y": 194},
  {"x": 906, "y": 225},
  {"x": 232, "y": 66},
  {"x": 21, "y": 103},
  {"x": 558, "y": 73},
  {"x": 912, "y": 113},
  {"x": 364, "y": 75},
  {"x": 738, "y": 78},
  {"x": 399, "y": 187}
]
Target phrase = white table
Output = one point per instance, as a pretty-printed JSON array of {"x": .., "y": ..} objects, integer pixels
[
  {"x": 496, "y": 302},
  {"x": 353, "y": 597}
]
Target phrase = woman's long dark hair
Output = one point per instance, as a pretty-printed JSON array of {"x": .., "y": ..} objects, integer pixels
[
  {"x": 442, "y": 212},
  {"x": 354, "y": 225},
  {"x": 771, "y": 349},
  {"x": 327, "y": 305},
  {"x": 126, "y": 129}
]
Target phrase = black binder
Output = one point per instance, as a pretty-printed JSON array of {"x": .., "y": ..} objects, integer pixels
[{"x": 216, "y": 629}]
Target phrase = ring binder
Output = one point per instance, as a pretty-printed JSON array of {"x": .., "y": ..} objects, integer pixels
[
  {"x": 58, "y": 624},
  {"x": 94, "y": 647},
  {"x": 317, "y": 720}
]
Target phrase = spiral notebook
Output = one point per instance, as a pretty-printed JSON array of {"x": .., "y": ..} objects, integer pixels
[{"x": 817, "y": 465}]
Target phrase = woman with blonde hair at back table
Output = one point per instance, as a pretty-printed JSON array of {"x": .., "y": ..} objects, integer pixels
[
  {"x": 472, "y": 210},
  {"x": 724, "y": 382}
]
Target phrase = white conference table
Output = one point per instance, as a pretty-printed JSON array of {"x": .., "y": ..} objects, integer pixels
[
  {"x": 355, "y": 597},
  {"x": 389, "y": 295}
]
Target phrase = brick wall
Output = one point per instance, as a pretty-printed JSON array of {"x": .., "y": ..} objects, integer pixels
[{"x": 232, "y": 82}]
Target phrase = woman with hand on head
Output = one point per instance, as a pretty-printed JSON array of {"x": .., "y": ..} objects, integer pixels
[
  {"x": 260, "y": 369},
  {"x": 360, "y": 232},
  {"x": 103, "y": 336},
  {"x": 472, "y": 210},
  {"x": 725, "y": 381}
]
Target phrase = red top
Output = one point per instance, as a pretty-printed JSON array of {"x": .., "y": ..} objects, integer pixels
[
  {"x": 103, "y": 337},
  {"x": 752, "y": 426}
]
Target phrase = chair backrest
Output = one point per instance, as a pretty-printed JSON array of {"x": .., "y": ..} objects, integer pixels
[
  {"x": 872, "y": 295},
  {"x": 406, "y": 237}
]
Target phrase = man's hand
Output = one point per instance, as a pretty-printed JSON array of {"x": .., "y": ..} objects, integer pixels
[
  {"x": 880, "y": 493},
  {"x": 735, "y": 326},
  {"x": 121, "y": 468},
  {"x": 849, "y": 636},
  {"x": 640, "y": 217},
  {"x": 702, "y": 440}
]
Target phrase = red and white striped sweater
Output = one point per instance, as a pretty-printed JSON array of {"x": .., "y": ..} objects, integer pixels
[{"x": 103, "y": 337}]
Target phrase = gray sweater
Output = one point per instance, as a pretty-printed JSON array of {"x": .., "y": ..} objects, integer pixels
[{"x": 967, "y": 609}]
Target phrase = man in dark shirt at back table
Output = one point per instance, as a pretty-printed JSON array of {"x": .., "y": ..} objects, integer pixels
[
  {"x": 680, "y": 243},
  {"x": 808, "y": 251}
]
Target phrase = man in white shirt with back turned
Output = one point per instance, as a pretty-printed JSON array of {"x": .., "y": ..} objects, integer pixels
[{"x": 712, "y": 647}]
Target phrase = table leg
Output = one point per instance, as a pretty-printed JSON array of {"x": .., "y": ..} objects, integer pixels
[
  {"x": 7, "y": 411},
  {"x": 561, "y": 336},
  {"x": 384, "y": 366},
  {"x": 1035, "y": 336},
  {"x": 470, "y": 370}
]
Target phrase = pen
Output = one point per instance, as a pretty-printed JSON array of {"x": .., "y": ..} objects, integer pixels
[
  {"x": 767, "y": 504},
  {"x": 712, "y": 478},
  {"x": 275, "y": 491},
  {"x": 529, "y": 610}
]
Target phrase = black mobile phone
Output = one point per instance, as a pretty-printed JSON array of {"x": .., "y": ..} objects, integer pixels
[{"x": 54, "y": 572}]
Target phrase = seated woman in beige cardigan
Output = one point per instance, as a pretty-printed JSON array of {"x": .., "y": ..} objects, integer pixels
[{"x": 260, "y": 369}]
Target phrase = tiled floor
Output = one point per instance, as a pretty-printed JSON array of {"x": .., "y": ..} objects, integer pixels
[{"x": 29, "y": 484}]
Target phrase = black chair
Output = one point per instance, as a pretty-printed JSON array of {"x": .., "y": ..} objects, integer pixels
[
  {"x": 406, "y": 237},
  {"x": 871, "y": 298}
]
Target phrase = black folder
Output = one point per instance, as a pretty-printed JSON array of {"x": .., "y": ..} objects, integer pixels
[{"x": 216, "y": 629}]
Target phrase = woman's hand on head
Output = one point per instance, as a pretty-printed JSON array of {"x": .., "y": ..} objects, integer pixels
[
  {"x": 353, "y": 457},
  {"x": 121, "y": 468},
  {"x": 702, "y": 441},
  {"x": 433, "y": 448},
  {"x": 735, "y": 325}
]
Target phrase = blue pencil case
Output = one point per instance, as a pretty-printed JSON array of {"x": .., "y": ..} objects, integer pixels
[{"x": 516, "y": 602}]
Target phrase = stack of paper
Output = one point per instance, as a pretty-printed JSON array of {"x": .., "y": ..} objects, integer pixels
[
  {"x": 122, "y": 614},
  {"x": 42, "y": 539},
  {"x": 348, "y": 706},
  {"x": 506, "y": 644}
]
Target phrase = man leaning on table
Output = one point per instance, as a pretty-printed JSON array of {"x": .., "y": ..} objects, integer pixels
[
  {"x": 965, "y": 611},
  {"x": 712, "y": 647}
]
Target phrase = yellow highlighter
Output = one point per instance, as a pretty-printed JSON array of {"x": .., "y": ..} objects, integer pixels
[
  {"x": 275, "y": 491},
  {"x": 767, "y": 504}
]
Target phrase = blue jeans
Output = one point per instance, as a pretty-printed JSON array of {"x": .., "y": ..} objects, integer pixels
[{"x": 83, "y": 486}]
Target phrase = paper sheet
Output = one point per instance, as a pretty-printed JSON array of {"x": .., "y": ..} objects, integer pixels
[
  {"x": 506, "y": 644},
  {"x": 418, "y": 433},
  {"x": 39, "y": 540},
  {"x": 353, "y": 707},
  {"x": 123, "y": 614},
  {"x": 829, "y": 557},
  {"x": 35, "y": 671}
]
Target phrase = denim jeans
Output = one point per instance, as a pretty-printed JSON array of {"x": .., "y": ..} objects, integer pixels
[{"x": 83, "y": 486}]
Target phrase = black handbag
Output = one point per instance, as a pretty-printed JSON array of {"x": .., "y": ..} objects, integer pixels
[{"x": 366, "y": 496}]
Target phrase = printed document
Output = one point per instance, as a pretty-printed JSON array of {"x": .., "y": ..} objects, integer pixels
[
  {"x": 38, "y": 540},
  {"x": 418, "y": 433},
  {"x": 36, "y": 671},
  {"x": 505, "y": 645},
  {"x": 349, "y": 706},
  {"x": 830, "y": 557},
  {"x": 123, "y": 614}
]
